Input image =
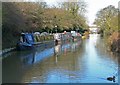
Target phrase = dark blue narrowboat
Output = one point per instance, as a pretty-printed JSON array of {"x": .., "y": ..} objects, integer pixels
[{"x": 26, "y": 41}]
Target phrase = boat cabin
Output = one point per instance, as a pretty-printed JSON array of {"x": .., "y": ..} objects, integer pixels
[
  {"x": 27, "y": 38},
  {"x": 26, "y": 41}
]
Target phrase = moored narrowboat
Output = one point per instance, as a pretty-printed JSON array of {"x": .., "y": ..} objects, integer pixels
[{"x": 26, "y": 41}]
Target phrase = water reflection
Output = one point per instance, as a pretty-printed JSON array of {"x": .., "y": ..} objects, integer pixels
[
  {"x": 73, "y": 62},
  {"x": 57, "y": 50}
]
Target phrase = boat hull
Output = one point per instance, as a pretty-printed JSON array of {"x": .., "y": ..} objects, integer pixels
[{"x": 22, "y": 46}]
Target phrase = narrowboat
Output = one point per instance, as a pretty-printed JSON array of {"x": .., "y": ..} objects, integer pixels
[{"x": 26, "y": 41}]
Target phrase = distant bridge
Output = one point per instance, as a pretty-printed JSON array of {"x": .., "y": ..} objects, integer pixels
[{"x": 94, "y": 29}]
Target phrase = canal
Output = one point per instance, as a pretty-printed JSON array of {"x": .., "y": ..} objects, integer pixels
[{"x": 85, "y": 61}]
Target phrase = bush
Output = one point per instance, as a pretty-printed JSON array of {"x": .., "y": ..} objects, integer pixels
[{"x": 114, "y": 42}]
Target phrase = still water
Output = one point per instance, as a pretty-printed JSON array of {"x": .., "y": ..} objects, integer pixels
[{"x": 85, "y": 61}]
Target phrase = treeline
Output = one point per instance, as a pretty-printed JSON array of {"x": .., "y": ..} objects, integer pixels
[
  {"x": 20, "y": 17},
  {"x": 107, "y": 19}
]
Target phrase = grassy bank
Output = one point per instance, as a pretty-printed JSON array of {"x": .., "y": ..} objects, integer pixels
[{"x": 114, "y": 42}]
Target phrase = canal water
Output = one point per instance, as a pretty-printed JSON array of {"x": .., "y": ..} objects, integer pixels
[{"x": 85, "y": 61}]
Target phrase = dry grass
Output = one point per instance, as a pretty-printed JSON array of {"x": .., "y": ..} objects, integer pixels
[{"x": 114, "y": 42}]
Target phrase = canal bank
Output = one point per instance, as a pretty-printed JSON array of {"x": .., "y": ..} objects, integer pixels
[
  {"x": 28, "y": 41},
  {"x": 84, "y": 61},
  {"x": 42, "y": 45},
  {"x": 5, "y": 51}
]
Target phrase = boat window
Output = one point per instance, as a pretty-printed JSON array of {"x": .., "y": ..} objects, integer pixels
[
  {"x": 30, "y": 37},
  {"x": 21, "y": 39},
  {"x": 24, "y": 39}
]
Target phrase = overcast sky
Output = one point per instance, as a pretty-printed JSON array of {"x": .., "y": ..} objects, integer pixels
[
  {"x": 96, "y": 5},
  {"x": 93, "y": 6}
]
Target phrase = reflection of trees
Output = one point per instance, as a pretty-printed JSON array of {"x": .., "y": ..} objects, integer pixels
[
  {"x": 75, "y": 46},
  {"x": 72, "y": 64},
  {"x": 64, "y": 48},
  {"x": 65, "y": 64},
  {"x": 43, "y": 68}
]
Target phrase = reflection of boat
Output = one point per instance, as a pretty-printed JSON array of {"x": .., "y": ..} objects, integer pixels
[
  {"x": 83, "y": 37},
  {"x": 26, "y": 41},
  {"x": 23, "y": 46},
  {"x": 57, "y": 49},
  {"x": 28, "y": 58},
  {"x": 33, "y": 57}
]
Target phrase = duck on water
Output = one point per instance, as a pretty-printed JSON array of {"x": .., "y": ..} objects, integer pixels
[{"x": 111, "y": 78}]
